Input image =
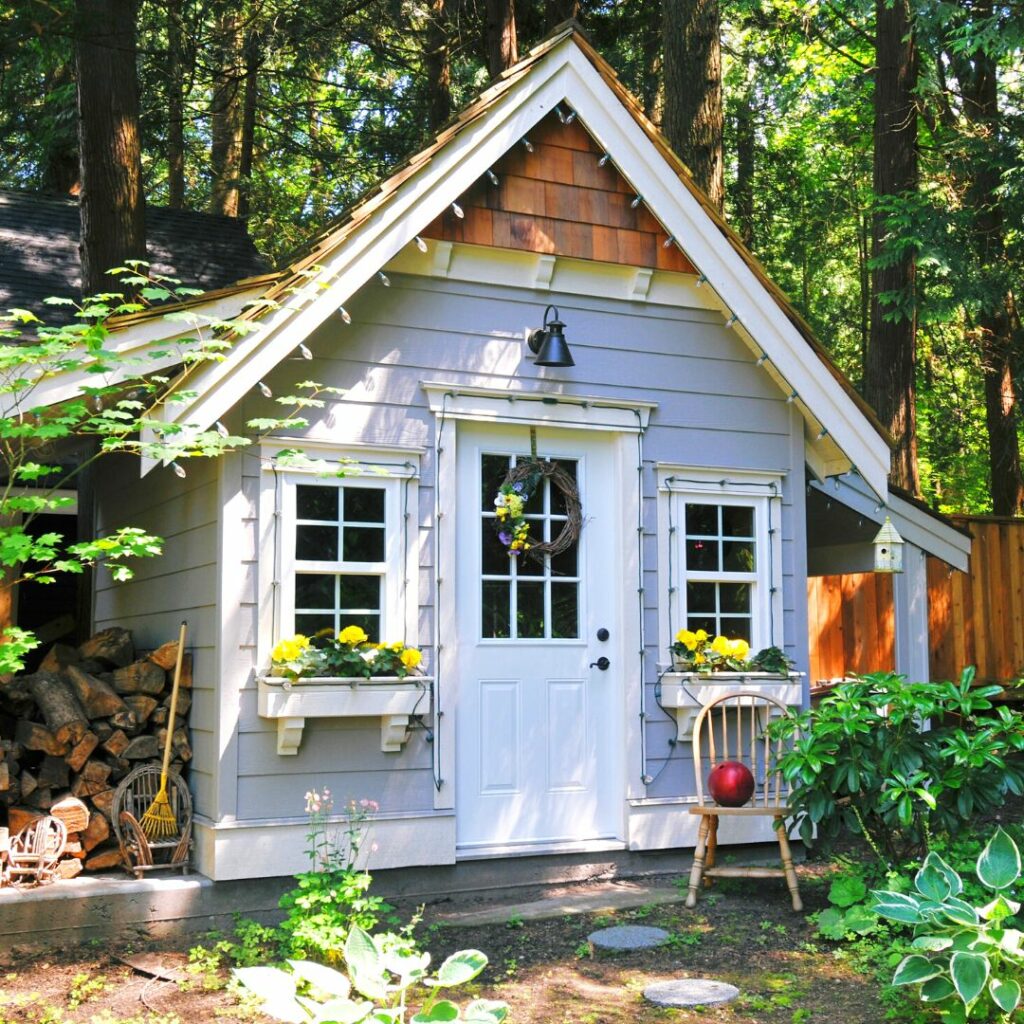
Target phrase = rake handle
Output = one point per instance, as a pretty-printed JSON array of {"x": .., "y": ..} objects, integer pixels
[{"x": 172, "y": 717}]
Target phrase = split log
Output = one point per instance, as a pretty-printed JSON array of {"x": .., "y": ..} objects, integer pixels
[
  {"x": 166, "y": 656},
  {"x": 97, "y": 832},
  {"x": 92, "y": 779},
  {"x": 58, "y": 657},
  {"x": 5, "y": 776},
  {"x": 125, "y": 720},
  {"x": 98, "y": 698},
  {"x": 73, "y": 812},
  {"x": 118, "y": 743},
  {"x": 103, "y": 859},
  {"x": 19, "y": 817},
  {"x": 33, "y": 736},
  {"x": 103, "y": 802},
  {"x": 62, "y": 713},
  {"x": 142, "y": 748},
  {"x": 82, "y": 752},
  {"x": 53, "y": 772},
  {"x": 141, "y": 706},
  {"x": 186, "y": 672},
  {"x": 70, "y": 868},
  {"x": 140, "y": 677},
  {"x": 41, "y": 799},
  {"x": 103, "y": 730},
  {"x": 113, "y": 646},
  {"x": 119, "y": 768},
  {"x": 29, "y": 784}
]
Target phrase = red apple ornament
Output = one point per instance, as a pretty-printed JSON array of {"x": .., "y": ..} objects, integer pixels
[{"x": 731, "y": 784}]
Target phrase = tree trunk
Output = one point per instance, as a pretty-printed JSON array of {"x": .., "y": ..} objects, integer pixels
[
  {"x": 437, "y": 65},
  {"x": 746, "y": 159},
  {"x": 175, "y": 110},
  {"x": 252, "y": 66},
  {"x": 652, "y": 84},
  {"x": 502, "y": 48},
  {"x": 226, "y": 116},
  {"x": 999, "y": 323},
  {"x": 891, "y": 356},
  {"x": 691, "y": 35},
  {"x": 112, "y": 206},
  {"x": 557, "y": 11}
]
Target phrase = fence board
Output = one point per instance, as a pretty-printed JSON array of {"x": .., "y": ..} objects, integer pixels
[{"x": 974, "y": 618}]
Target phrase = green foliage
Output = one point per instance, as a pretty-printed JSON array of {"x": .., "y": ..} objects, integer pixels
[
  {"x": 382, "y": 984},
  {"x": 968, "y": 960},
  {"x": 863, "y": 763}
]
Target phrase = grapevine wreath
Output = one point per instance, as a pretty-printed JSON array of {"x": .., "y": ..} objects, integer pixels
[{"x": 513, "y": 527}]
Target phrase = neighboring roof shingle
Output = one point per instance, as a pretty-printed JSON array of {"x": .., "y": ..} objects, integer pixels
[{"x": 39, "y": 249}]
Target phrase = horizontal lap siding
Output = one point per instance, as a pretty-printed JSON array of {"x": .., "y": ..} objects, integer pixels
[
  {"x": 715, "y": 409},
  {"x": 180, "y": 584}
]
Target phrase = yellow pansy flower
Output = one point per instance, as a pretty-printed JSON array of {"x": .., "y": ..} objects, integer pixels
[
  {"x": 687, "y": 639},
  {"x": 699, "y": 659},
  {"x": 739, "y": 650},
  {"x": 701, "y": 636},
  {"x": 289, "y": 650},
  {"x": 722, "y": 646},
  {"x": 411, "y": 657},
  {"x": 353, "y": 635}
]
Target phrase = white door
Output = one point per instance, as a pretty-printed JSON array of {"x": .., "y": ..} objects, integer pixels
[{"x": 538, "y": 725}]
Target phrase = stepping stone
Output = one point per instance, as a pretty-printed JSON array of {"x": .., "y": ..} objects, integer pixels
[
  {"x": 628, "y": 936},
  {"x": 690, "y": 992}
]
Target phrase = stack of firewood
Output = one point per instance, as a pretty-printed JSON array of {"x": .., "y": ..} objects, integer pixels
[{"x": 77, "y": 726}]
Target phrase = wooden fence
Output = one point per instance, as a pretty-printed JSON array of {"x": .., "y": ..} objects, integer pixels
[{"x": 974, "y": 618}]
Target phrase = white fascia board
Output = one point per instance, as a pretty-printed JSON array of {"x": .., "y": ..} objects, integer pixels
[
  {"x": 132, "y": 343},
  {"x": 416, "y": 204},
  {"x": 685, "y": 220},
  {"x": 914, "y": 525}
]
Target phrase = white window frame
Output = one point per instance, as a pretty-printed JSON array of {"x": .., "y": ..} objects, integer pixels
[
  {"x": 760, "y": 491},
  {"x": 390, "y": 469}
]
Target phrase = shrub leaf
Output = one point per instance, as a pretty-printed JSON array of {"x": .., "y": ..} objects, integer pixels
[
  {"x": 970, "y": 973},
  {"x": 999, "y": 863}
]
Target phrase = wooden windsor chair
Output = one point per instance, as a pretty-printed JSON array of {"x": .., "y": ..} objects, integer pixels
[{"x": 733, "y": 728}]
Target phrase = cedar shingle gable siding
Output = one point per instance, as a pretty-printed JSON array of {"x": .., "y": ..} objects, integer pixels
[{"x": 559, "y": 199}]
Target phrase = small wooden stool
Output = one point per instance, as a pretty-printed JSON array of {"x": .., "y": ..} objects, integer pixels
[{"x": 740, "y": 737}]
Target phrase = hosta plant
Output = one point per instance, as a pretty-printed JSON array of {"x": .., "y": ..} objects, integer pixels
[
  {"x": 968, "y": 961},
  {"x": 385, "y": 981}
]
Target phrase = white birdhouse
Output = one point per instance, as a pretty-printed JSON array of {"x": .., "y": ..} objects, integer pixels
[{"x": 888, "y": 548}]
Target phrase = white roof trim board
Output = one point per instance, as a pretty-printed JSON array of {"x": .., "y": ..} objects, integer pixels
[{"x": 563, "y": 74}]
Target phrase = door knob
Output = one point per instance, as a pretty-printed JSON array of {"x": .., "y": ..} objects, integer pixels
[{"x": 602, "y": 663}]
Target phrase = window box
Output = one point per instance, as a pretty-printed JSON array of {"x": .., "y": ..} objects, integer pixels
[
  {"x": 685, "y": 693},
  {"x": 389, "y": 698}
]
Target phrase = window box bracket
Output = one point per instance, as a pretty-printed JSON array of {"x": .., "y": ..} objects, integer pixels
[{"x": 394, "y": 701}]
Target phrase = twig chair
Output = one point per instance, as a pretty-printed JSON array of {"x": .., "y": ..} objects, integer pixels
[
  {"x": 733, "y": 728},
  {"x": 35, "y": 851},
  {"x": 133, "y": 797}
]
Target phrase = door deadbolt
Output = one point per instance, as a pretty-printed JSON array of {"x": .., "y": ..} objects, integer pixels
[
  {"x": 603, "y": 634},
  {"x": 602, "y": 663}
]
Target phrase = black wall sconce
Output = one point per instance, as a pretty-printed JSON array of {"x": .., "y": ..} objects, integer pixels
[{"x": 548, "y": 342}]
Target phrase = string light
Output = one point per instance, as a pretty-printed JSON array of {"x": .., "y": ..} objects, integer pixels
[
  {"x": 822, "y": 434},
  {"x": 420, "y": 244},
  {"x": 458, "y": 211},
  {"x": 527, "y": 143},
  {"x": 344, "y": 314},
  {"x": 304, "y": 351},
  {"x": 492, "y": 177},
  {"x": 637, "y": 200},
  {"x": 701, "y": 279},
  {"x": 384, "y": 279},
  {"x": 97, "y": 403},
  {"x": 732, "y": 321},
  {"x": 221, "y": 429},
  {"x": 563, "y": 117},
  {"x": 668, "y": 243},
  {"x": 179, "y": 470},
  {"x": 762, "y": 359},
  {"x": 265, "y": 391},
  {"x": 835, "y": 485},
  {"x": 879, "y": 507},
  {"x": 604, "y": 159},
  {"x": 791, "y": 398}
]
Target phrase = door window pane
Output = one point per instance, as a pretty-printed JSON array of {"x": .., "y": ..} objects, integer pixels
[{"x": 541, "y": 598}]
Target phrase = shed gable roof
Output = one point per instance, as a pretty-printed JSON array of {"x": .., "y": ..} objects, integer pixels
[{"x": 563, "y": 71}]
